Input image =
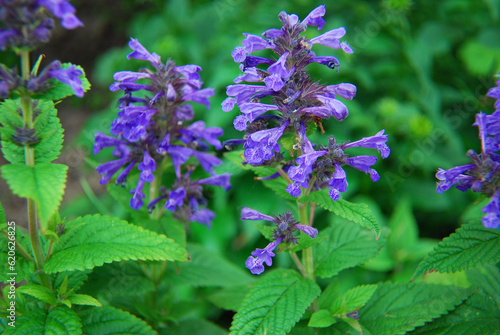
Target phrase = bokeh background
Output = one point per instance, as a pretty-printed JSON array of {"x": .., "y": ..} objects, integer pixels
[{"x": 422, "y": 69}]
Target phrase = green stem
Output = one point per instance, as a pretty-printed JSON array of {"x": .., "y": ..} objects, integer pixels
[
  {"x": 29, "y": 156},
  {"x": 307, "y": 253}
]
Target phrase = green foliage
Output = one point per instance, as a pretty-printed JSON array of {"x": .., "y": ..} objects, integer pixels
[
  {"x": 44, "y": 183},
  {"x": 109, "y": 320},
  {"x": 398, "y": 308},
  {"x": 472, "y": 245},
  {"x": 48, "y": 131},
  {"x": 346, "y": 245},
  {"x": 357, "y": 213},
  {"x": 59, "y": 320},
  {"x": 207, "y": 268},
  {"x": 479, "y": 314},
  {"x": 274, "y": 304},
  {"x": 94, "y": 240}
]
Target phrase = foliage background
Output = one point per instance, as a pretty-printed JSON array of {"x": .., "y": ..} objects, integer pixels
[{"x": 422, "y": 69}]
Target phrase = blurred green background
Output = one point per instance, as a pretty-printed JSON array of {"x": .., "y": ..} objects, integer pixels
[{"x": 422, "y": 69}]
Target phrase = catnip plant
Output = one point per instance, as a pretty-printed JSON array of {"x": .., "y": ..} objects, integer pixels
[{"x": 172, "y": 178}]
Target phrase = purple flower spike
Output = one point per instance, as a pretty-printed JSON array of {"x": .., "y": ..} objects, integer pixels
[
  {"x": 256, "y": 264},
  {"x": 453, "y": 176},
  {"x": 260, "y": 145}
]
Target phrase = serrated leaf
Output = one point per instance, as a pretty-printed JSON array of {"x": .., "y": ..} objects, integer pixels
[
  {"x": 208, "y": 268},
  {"x": 83, "y": 299},
  {"x": 274, "y": 304},
  {"x": 321, "y": 319},
  {"x": 93, "y": 240},
  {"x": 488, "y": 279},
  {"x": 472, "y": 245},
  {"x": 398, "y": 308},
  {"x": 59, "y": 320},
  {"x": 23, "y": 267},
  {"x": 109, "y": 320},
  {"x": 478, "y": 315},
  {"x": 352, "y": 300},
  {"x": 59, "y": 90},
  {"x": 346, "y": 245},
  {"x": 48, "y": 131},
  {"x": 40, "y": 292},
  {"x": 43, "y": 183},
  {"x": 357, "y": 213}
]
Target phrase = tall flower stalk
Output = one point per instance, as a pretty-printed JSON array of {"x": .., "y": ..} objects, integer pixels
[
  {"x": 283, "y": 101},
  {"x": 154, "y": 128}
]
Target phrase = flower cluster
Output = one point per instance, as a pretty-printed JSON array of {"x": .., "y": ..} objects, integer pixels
[
  {"x": 482, "y": 175},
  {"x": 153, "y": 128},
  {"x": 27, "y": 23},
  {"x": 285, "y": 227},
  {"x": 284, "y": 99}
]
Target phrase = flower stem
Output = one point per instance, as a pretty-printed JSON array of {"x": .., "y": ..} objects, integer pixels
[
  {"x": 307, "y": 253},
  {"x": 29, "y": 157}
]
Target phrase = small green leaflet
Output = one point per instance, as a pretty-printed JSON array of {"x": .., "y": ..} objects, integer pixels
[
  {"x": 110, "y": 320},
  {"x": 43, "y": 183},
  {"x": 472, "y": 245},
  {"x": 357, "y": 213},
  {"x": 275, "y": 304},
  {"x": 93, "y": 240},
  {"x": 346, "y": 245}
]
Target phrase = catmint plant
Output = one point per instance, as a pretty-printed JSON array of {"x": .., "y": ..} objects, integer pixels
[
  {"x": 154, "y": 128},
  {"x": 46, "y": 259},
  {"x": 283, "y": 101},
  {"x": 482, "y": 175}
]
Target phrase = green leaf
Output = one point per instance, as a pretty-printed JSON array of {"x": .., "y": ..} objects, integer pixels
[
  {"x": 208, "y": 268},
  {"x": 196, "y": 327},
  {"x": 472, "y": 245},
  {"x": 22, "y": 267},
  {"x": 93, "y": 240},
  {"x": 488, "y": 279},
  {"x": 346, "y": 245},
  {"x": 357, "y": 213},
  {"x": 352, "y": 300},
  {"x": 404, "y": 229},
  {"x": 275, "y": 303},
  {"x": 477, "y": 315},
  {"x": 48, "y": 131},
  {"x": 109, "y": 320},
  {"x": 321, "y": 319},
  {"x": 83, "y": 299},
  {"x": 59, "y": 320},
  {"x": 40, "y": 292},
  {"x": 398, "y": 308},
  {"x": 43, "y": 183},
  {"x": 59, "y": 90}
]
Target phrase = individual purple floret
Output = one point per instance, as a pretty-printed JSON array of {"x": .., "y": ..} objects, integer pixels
[
  {"x": 482, "y": 175},
  {"x": 286, "y": 225},
  {"x": 154, "y": 127},
  {"x": 292, "y": 99},
  {"x": 27, "y": 23}
]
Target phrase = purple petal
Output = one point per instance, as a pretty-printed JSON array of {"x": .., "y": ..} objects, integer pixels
[{"x": 252, "y": 214}]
